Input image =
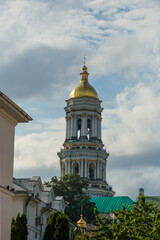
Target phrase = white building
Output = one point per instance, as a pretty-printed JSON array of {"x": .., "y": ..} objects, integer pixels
[
  {"x": 83, "y": 150},
  {"x": 37, "y": 201},
  {"x": 10, "y": 116}
]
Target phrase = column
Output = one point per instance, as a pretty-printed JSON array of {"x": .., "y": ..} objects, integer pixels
[
  {"x": 69, "y": 166},
  {"x": 72, "y": 168},
  {"x": 60, "y": 169},
  {"x": 104, "y": 176},
  {"x": 66, "y": 167},
  {"x": 84, "y": 126},
  {"x": 99, "y": 128},
  {"x": 95, "y": 172},
  {"x": 73, "y": 127},
  {"x": 92, "y": 128},
  {"x": 82, "y": 168},
  {"x": 96, "y": 126},
  {"x": 67, "y": 128},
  {"x": 100, "y": 172},
  {"x": 98, "y": 169},
  {"x": 106, "y": 171},
  {"x": 86, "y": 165}
]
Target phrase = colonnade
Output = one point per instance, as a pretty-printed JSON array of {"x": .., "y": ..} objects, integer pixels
[
  {"x": 83, "y": 168},
  {"x": 72, "y": 126}
]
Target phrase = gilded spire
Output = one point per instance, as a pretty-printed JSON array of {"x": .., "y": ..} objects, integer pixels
[
  {"x": 81, "y": 223},
  {"x": 84, "y": 60},
  {"x": 84, "y": 74}
]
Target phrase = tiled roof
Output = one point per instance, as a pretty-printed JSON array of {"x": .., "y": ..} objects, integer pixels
[
  {"x": 106, "y": 204},
  {"x": 18, "y": 187}
]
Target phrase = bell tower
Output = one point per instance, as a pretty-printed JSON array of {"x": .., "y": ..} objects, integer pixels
[{"x": 83, "y": 150}]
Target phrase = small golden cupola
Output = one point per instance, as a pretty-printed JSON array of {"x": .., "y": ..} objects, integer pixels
[
  {"x": 81, "y": 223},
  {"x": 84, "y": 89}
]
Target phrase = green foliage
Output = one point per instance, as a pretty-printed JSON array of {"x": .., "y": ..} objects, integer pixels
[
  {"x": 49, "y": 233},
  {"x": 19, "y": 230},
  {"x": 141, "y": 223},
  {"x": 14, "y": 233},
  {"x": 57, "y": 227},
  {"x": 81, "y": 236},
  {"x": 71, "y": 188},
  {"x": 62, "y": 228}
]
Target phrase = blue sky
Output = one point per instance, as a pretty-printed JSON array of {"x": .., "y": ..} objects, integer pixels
[{"x": 42, "y": 45}]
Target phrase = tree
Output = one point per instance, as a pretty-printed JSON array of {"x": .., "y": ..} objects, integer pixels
[
  {"x": 50, "y": 229},
  {"x": 141, "y": 222},
  {"x": 81, "y": 236},
  {"x": 48, "y": 234},
  {"x": 14, "y": 233},
  {"x": 21, "y": 223},
  {"x": 62, "y": 228},
  {"x": 71, "y": 188},
  {"x": 57, "y": 227},
  {"x": 19, "y": 230}
]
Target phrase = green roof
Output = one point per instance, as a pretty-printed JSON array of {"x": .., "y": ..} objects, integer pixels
[
  {"x": 153, "y": 200},
  {"x": 106, "y": 204}
]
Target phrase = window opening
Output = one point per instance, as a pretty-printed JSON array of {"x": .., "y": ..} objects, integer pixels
[
  {"x": 79, "y": 129},
  {"x": 91, "y": 171},
  {"x": 76, "y": 168},
  {"x": 88, "y": 129}
]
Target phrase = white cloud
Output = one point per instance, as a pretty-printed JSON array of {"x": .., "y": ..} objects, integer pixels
[
  {"x": 40, "y": 149},
  {"x": 133, "y": 126},
  {"x": 117, "y": 37},
  {"x": 131, "y": 132},
  {"x": 128, "y": 181}
]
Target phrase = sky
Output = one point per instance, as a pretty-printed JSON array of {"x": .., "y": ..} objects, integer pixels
[{"x": 42, "y": 45}]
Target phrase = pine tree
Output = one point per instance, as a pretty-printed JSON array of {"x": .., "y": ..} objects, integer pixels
[
  {"x": 49, "y": 233},
  {"x": 62, "y": 228},
  {"x": 50, "y": 229},
  {"x": 23, "y": 227},
  {"x": 19, "y": 230},
  {"x": 14, "y": 233}
]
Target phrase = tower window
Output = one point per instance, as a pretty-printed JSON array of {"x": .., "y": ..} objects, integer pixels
[
  {"x": 88, "y": 129},
  {"x": 75, "y": 167},
  {"x": 79, "y": 129},
  {"x": 92, "y": 171}
]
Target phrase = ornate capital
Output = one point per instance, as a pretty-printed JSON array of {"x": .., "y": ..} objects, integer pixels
[{"x": 84, "y": 115}]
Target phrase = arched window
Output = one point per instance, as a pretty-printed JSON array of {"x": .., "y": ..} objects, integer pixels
[
  {"x": 75, "y": 167},
  {"x": 79, "y": 129},
  {"x": 92, "y": 171},
  {"x": 88, "y": 129}
]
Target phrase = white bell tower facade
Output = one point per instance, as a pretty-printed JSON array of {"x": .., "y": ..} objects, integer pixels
[{"x": 83, "y": 151}]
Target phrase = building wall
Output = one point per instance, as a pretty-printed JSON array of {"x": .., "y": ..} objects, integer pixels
[
  {"x": 7, "y": 130},
  {"x": 5, "y": 213},
  {"x": 18, "y": 205}
]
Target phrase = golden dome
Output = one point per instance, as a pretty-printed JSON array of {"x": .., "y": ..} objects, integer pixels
[
  {"x": 84, "y": 89},
  {"x": 81, "y": 223}
]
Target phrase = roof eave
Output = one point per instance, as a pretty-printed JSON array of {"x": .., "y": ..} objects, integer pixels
[{"x": 13, "y": 109}]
